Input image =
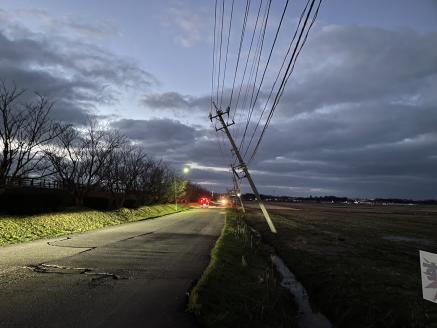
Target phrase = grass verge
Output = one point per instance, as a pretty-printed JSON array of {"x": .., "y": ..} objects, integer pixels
[
  {"x": 15, "y": 229},
  {"x": 360, "y": 264},
  {"x": 240, "y": 287}
]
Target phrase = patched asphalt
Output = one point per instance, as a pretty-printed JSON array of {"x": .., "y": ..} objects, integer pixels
[{"x": 131, "y": 275}]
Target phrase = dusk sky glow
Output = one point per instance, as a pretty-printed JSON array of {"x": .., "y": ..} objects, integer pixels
[{"x": 358, "y": 117}]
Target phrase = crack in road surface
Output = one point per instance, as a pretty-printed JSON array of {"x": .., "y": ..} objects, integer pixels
[
  {"x": 136, "y": 236},
  {"x": 59, "y": 269},
  {"x": 69, "y": 246},
  {"x": 88, "y": 248},
  {"x": 131, "y": 277}
]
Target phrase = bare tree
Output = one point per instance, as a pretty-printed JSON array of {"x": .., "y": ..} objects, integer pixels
[
  {"x": 24, "y": 129},
  {"x": 80, "y": 158},
  {"x": 135, "y": 163},
  {"x": 158, "y": 181},
  {"x": 161, "y": 183},
  {"x": 121, "y": 174},
  {"x": 98, "y": 145},
  {"x": 194, "y": 191}
]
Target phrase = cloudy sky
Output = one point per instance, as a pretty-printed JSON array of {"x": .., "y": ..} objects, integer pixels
[{"x": 357, "y": 118}]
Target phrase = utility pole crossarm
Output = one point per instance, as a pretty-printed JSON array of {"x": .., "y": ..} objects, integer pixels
[{"x": 242, "y": 165}]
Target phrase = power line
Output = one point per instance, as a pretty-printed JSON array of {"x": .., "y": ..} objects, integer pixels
[
  {"x": 259, "y": 57},
  {"x": 220, "y": 138},
  {"x": 280, "y": 70},
  {"x": 289, "y": 69},
  {"x": 256, "y": 63},
  {"x": 220, "y": 51},
  {"x": 227, "y": 50},
  {"x": 250, "y": 85},
  {"x": 243, "y": 29},
  {"x": 246, "y": 84},
  {"x": 248, "y": 56},
  {"x": 265, "y": 70},
  {"x": 213, "y": 58}
]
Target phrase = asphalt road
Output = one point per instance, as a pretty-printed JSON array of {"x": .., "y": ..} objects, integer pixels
[{"x": 131, "y": 275}]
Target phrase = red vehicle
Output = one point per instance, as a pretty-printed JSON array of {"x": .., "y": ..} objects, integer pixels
[{"x": 204, "y": 201}]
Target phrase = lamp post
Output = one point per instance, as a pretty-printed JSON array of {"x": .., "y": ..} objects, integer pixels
[
  {"x": 185, "y": 171},
  {"x": 175, "y": 192}
]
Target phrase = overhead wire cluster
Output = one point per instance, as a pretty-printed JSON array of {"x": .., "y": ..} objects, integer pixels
[
  {"x": 259, "y": 68},
  {"x": 217, "y": 85}
]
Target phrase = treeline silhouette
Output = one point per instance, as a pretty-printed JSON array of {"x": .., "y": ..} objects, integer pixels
[
  {"x": 336, "y": 199},
  {"x": 47, "y": 165}
]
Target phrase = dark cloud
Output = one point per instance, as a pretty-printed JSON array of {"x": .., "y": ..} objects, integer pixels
[
  {"x": 180, "y": 144},
  {"x": 69, "y": 26},
  {"x": 167, "y": 100},
  {"x": 78, "y": 76},
  {"x": 176, "y": 101},
  {"x": 356, "y": 64},
  {"x": 358, "y": 118},
  {"x": 166, "y": 134}
]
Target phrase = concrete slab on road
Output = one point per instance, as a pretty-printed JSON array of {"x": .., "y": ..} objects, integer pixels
[{"x": 131, "y": 275}]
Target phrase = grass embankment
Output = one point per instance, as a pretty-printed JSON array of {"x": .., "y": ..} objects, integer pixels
[
  {"x": 240, "y": 287},
  {"x": 14, "y": 229},
  {"x": 359, "y": 264}
]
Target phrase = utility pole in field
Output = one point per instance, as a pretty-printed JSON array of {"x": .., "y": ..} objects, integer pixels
[{"x": 242, "y": 165}]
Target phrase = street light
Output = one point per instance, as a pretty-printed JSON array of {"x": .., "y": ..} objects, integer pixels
[{"x": 185, "y": 171}]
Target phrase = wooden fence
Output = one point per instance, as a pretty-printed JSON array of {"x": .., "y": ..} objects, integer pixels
[
  {"x": 51, "y": 184},
  {"x": 34, "y": 182}
]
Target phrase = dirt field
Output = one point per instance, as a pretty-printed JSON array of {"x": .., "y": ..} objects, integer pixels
[{"x": 360, "y": 263}]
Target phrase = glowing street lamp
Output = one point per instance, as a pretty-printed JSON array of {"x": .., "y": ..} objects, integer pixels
[{"x": 185, "y": 170}]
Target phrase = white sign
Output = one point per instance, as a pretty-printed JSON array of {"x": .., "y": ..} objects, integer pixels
[{"x": 428, "y": 267}]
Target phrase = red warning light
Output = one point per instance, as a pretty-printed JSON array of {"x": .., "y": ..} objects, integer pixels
[{"x": 204, "y": 201}]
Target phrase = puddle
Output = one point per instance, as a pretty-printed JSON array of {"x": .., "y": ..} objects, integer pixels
[
  {"x": 307, "y": 318},
  {"x": 407, "y": 239}
]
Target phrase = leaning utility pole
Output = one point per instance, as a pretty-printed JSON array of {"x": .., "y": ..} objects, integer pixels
[
  {"x": 235, "y": 177},
  {"x": 242, "y": 165}
]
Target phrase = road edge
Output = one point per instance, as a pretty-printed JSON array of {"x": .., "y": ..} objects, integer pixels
[
  {"x": 111, "y": 219},
  {"x": 240, "y": 287}
]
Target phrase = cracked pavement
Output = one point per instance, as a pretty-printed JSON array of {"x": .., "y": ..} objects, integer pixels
[{"x": 131, "y": 275}]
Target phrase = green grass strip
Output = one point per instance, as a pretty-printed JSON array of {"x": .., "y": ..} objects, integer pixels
[
  {"x": 15, "y": 229},
  {"x": 240, "y": 287}
]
